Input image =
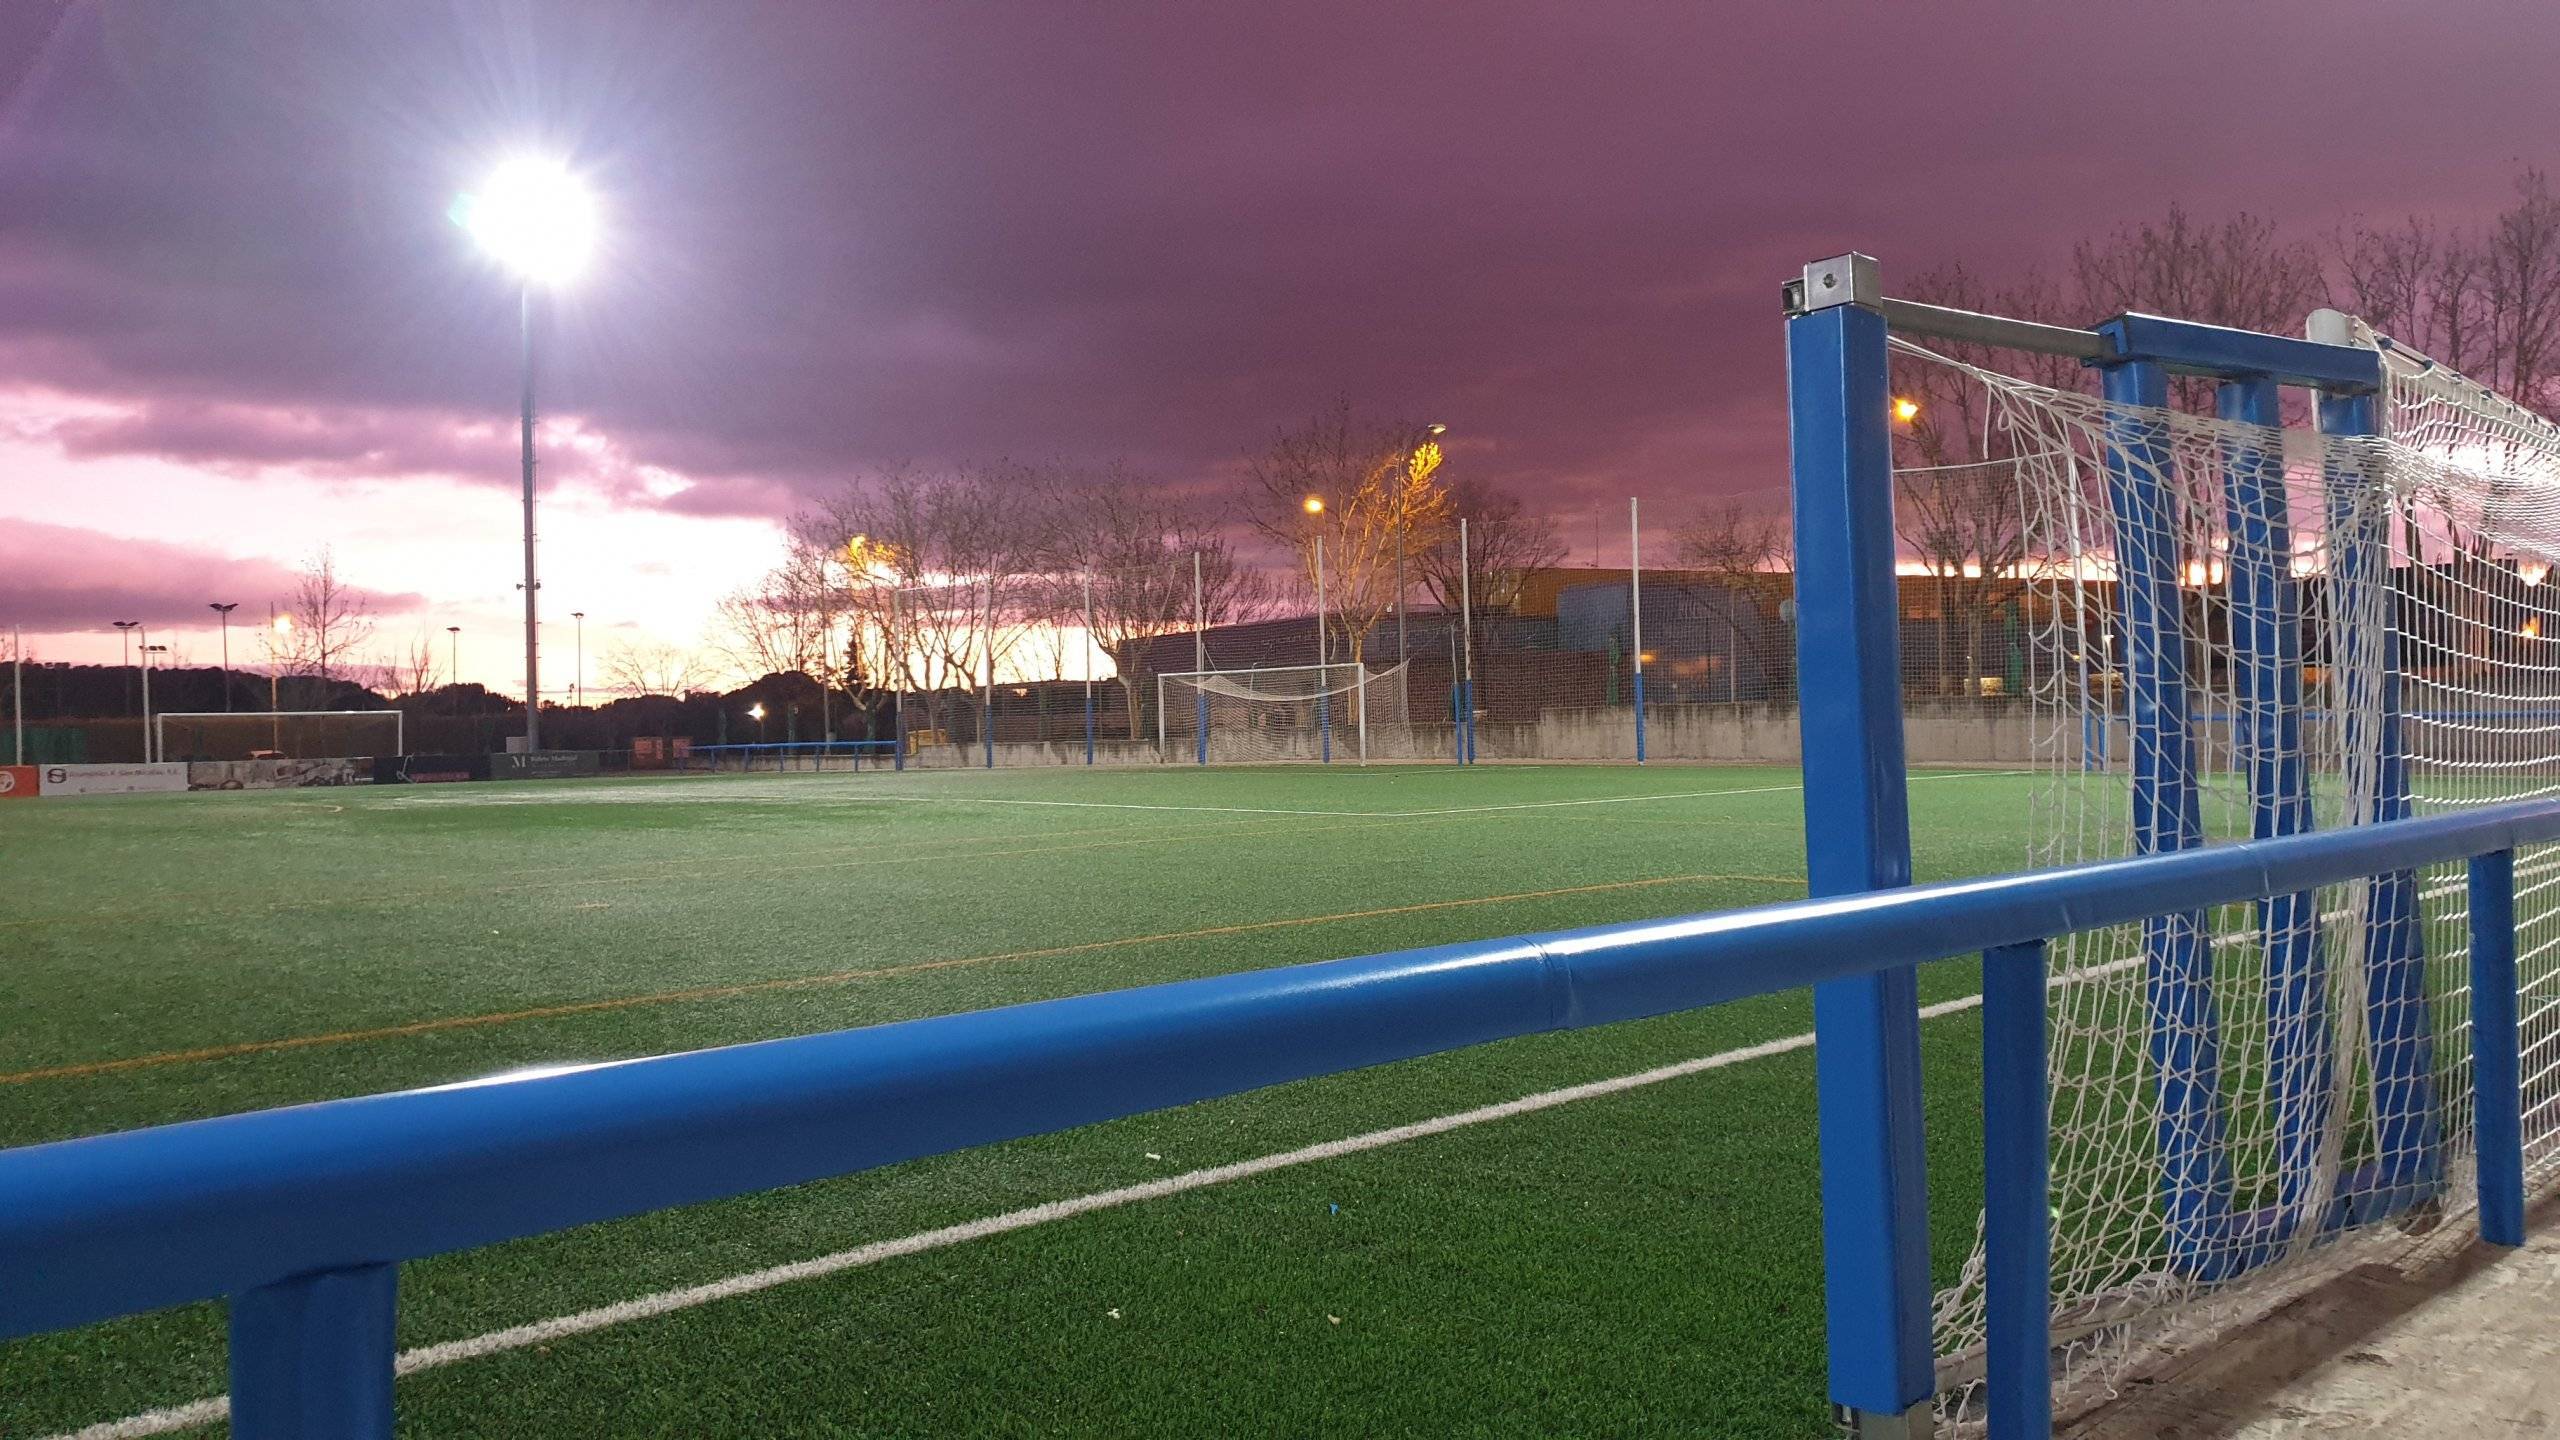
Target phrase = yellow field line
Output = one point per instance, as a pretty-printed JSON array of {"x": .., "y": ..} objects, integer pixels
[{"x": 805, "y": 982}]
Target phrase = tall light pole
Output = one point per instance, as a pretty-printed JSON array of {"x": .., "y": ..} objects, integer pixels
[
  {"x": 454, "y": 654},
  {"x": 538, "y": 220},
  {"x": 150, "y": 752},
  {"x": 224, "y": 611},
  {"x": 1421, "y": 465},
  {"x": 126, "y": 626},
  {"x": 278, "y": 627},
  {"x": 578, "y": 686}
]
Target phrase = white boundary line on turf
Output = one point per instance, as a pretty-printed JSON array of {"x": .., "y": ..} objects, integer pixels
[
  {"x": 1394, "y": 814},
  {"x": 668, "y": 1302}
]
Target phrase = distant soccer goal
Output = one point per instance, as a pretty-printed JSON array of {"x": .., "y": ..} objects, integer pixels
[
  {"x": 1339, "y": 713},
  {"x": 290, "y": 734}
]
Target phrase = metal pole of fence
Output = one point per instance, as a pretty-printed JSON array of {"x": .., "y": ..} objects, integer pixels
[
  {"x": 149, "y": 751},
  {"x": 1324, "y": 715},
  {"x": 1199, "y": 665},
  {"x": 1635, "y": 614},
  {"x": 2496, "y": 1053},
  {"x": 1088, "y": 667},
  {"x": 1466, "y": 647},
  {"x": 897, "y": 688},
  {"x": 2017, "y": 1222},
  {"x": 987, "y": 705}
]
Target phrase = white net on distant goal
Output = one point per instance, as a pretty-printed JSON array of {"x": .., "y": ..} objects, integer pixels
[
  {"x": 286, "y": 734},
  {"x": 1341, "y": 713},
  {"x": 2242, "y": 630}
]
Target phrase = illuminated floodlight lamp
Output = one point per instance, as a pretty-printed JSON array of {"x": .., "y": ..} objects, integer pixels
[{"x": 533, "y": 216}]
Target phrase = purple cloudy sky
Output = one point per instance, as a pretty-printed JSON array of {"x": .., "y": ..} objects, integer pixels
[{"x": 235, "y": 325}]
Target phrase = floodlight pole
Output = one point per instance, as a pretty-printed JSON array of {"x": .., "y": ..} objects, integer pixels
[
  {"x": 1467, "y": 647},
  {"x": 1088, "y": 667},
  {"x": 125, "y": 628},
  {"x": 18, "y": 695},
  {"x": 532, "y": 584},
  {"x": 578, "y": 682},
  {"x": 150, "y": 752},
  {"x": 1635, "y": 615},
  {"x": 1199, "y": 662},
  {"x": 224, "y": 611}
]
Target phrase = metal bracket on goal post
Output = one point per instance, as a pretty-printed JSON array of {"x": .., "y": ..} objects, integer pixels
[{"x": 1858, "y": 837}]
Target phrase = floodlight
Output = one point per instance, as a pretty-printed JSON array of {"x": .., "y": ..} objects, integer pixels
[{"x": 534, "y": 217}]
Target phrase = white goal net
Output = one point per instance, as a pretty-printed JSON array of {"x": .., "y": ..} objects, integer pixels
[
  {"x": 2240, "y": 629},
  {"x": 283, "y": 734},
  {"x": 1339, "y": 713}
]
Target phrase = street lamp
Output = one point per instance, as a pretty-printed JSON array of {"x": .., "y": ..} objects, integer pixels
[
  {"x": 150, "y": 752},
  {"x": 224, "y": 611},
  {"x": 1422, "y": 464},
  {"x": 578, "y": 686},
  {"x": 538, "y": 220},
  {"x": 278, "y": 628},
  {"x": 1905, "y": 409},
  {"x": 126, "y": 626},
  {"x": 755, "y": 712},
  {"x": 1314, "y": 504},
  {"x": 454, "y": 661}
]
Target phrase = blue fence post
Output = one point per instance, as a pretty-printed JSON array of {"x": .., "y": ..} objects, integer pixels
[
  {"x": 2497, "y": 1058},
  {"x": 1324, "y": 720},
  {"x": 1467, "y": 699},
  {"x": 1639, "y": 698},
  {"x": 2195, "y": 1168},
  {"x": 2017, "y": 1221},
  {"x": 1088, "y": 723},
  {"x": 2266, "y": 634},
  {"x": 1200, "y": 737},
  {"x": 2407, "y": 1130},
  {"x": 311, "y": 1357},
  {"x": 1875, "y": 1209}
]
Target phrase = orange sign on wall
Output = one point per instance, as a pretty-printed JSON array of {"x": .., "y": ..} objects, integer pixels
[{"x": 17, "y": 782}]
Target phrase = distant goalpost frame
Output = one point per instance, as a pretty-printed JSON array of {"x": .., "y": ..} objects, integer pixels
[
  {"x": 1273, "y": 714},
  {"x": 276, "y": 727}
]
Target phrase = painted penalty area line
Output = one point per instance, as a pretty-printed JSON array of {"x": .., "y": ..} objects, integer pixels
[{"x": 667, "y": 1302}]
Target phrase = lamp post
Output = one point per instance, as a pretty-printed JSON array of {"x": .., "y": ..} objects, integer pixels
[
  {"x": 536, "y": 219},
  {"x": 150, "y": 752},
  {"x": 223, "y": 610},
  {"x": 578, "y": 684},
  {"x": 453, "y": 659},
  {"x": 278, "y": 627},
  {"x": 126, "y": 626},
  {"x": 1421, "y": 465}
]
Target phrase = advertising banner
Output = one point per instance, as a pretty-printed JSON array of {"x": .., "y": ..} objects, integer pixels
[
  {"x": 17, "y": 782},
  {"x": 111, "y": 779},
  {"x": 544, "y": 765}
]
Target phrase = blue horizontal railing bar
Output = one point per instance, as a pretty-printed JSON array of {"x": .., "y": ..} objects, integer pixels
[
  {"x": 2187, "y": 348},
  {"x": 117, "y": 1224}
]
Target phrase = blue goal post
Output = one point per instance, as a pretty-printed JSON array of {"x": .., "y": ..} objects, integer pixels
[{"x": 1840, "y": 327}]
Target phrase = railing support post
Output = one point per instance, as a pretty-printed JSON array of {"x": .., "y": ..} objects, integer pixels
[
  {"x": 311, "y": 1357},
  {"x": 2016, "y": 1187},
  {"x": 1875, "y": 1204},
  {"x": 2497, "y": 1105}
]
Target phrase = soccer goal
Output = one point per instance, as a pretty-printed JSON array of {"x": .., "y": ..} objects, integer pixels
[
  {"x": 288, "y": 734},
  {"x": 2247, "y": 618},
  {"x": 1283, "y": 713}
]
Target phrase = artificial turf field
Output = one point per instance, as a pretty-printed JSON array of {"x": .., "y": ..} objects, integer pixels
[{"x": 1642, "y": 1261}]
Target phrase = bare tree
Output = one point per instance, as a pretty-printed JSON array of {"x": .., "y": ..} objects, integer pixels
[
  {"x": 413, "y": 671},
  {"x": 1507, "y": 547},
  {"x": 1367, "y": 491},
  {"x": 651, "y": 667},
  {"x": 332, "y": 622},
  {"x": 1140, "y": 550},
  {"x": 2236, "y": 272},
  {"x": 1749, "y": 555},
  {"x": 2485, "y": 302}
]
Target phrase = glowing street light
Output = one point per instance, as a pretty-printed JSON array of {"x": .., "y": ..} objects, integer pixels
[
  {"x": 1905, "y": 409},
  {"x": 1315, "y": 504},
  {"x": 224, "y": 610},
  {"x": 538, "y": 219}
]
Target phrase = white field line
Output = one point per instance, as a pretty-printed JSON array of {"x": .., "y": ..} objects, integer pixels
[
  {"x": 798, "y": 793},
  {"x": 667, "y": 1302}
]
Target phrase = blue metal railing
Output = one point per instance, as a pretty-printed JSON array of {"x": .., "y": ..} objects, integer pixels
[{"x": 300, "y": 1216}]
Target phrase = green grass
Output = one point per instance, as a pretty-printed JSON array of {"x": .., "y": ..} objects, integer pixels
[{"x": 1642, "y": 1263}]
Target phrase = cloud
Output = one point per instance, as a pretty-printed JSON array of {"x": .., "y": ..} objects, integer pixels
[{"x": 60, "y": 578}]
